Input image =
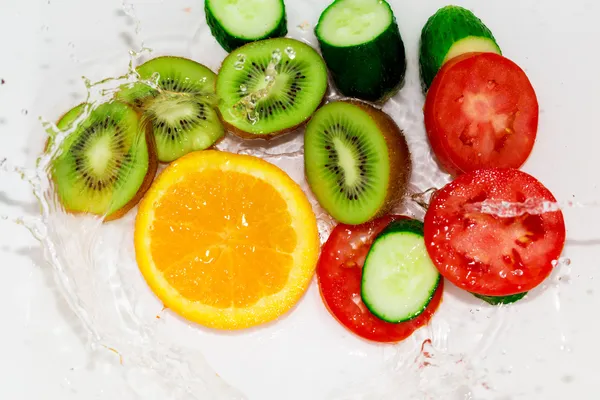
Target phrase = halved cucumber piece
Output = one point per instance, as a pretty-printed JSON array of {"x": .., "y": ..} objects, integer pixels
[
  {"x": 237, "y": 22},
  {"x": 363, "y": 49},
  {"x": 448, "y": 33},
  {"x": 399, "y": 279}
]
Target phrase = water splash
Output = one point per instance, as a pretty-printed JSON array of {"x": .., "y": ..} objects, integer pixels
[
  {"x": 247, "y": 105},
  {"x": 508, "y": 209}
]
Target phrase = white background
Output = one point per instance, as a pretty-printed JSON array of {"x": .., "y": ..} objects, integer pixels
[{"x": 46, "y": 45}]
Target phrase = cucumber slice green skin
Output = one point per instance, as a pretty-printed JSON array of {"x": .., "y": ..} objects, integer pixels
[
  {"x": 230, "y": 42},
  {"x": 496, "y": 300},
  {"x": 372, "y": 289},
  {"x": 445, "y": 28},
  {"x": 372, "y": 71}
]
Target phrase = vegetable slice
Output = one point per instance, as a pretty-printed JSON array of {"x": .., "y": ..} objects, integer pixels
[
  {"x": 481, "y": 112},
  {"x": 362, "y": 46},
  {"x": 235, "y": 23},
  {"x": 399, "y": 280},
  {"x": 487, "y": 254},
  {"x": 451, "y": 32},
  {"x": 339, "y": 273}
]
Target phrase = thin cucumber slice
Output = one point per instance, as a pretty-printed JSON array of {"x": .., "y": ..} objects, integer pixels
[
  {"x": 450, "y": 32},
  {"x": 496, "y": 300},
  {"x": 234, "y": 23},
  {"x": 361, "y": 44},
  {"x": 399, "y": 279}
]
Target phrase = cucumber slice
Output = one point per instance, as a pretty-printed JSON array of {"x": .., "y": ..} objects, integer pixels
[
  {"x": 237, "y": 22},
  {"x": 399, "y": 279},
  {"x": 363, "y": 49},
  {"x": 448, "y": 33},
  {"x": 495, "y": 300}
]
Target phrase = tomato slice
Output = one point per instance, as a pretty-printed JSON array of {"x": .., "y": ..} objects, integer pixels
[
  {"x": 481, "y": 111},
  {"x": 339, "y": 273},
  {"x": 486, "y": 254}
]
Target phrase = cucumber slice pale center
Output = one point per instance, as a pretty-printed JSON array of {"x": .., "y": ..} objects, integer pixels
[
  {"x": 400, "y": 278},
  {"x": 248, "y": 18},
  {"x": 353, "y": 22},
  {"x": 471, "y": 44}
]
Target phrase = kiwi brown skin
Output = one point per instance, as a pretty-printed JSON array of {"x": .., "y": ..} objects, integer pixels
[
  {"x": 146, "y": 183},
  {"x": 246, "y": 135},
  {"x": 398, "y": 155}
]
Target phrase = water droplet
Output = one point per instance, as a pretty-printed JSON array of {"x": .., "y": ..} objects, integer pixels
[
  {"x": 243, "y": 88},
  {"x": 240, "y": 62},
  {"x": 276, "y": 56},
  {"x": 24, "y": 111},
  {"x": 291, "y": 53},
  {"x": 518, "y": 272},
  {"x": 502, "y": 274}
]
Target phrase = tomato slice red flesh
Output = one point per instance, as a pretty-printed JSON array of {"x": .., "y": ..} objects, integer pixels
[
  {"x": 339, "y": 272},
  {"x": 487, "y": 254},
  {"x": 481, "y": 111}
]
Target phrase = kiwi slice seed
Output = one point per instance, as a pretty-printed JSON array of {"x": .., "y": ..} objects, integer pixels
[
  {"x": 270, "y": 87},
  {"x": 106, "y": 164},
  {"x": 357, "y": 162},
  {"x": 181, "y": 113}
]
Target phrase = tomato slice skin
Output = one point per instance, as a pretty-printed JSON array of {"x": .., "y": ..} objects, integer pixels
[
  {"x": 339, "y": 273},
  {"x": 486, "y": 254},
  {"x": 481, "y": 111}
]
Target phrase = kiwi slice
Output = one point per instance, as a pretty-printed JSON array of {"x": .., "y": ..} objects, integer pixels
[
  {"x": 106, "y": 164},
  {"x": 180, "y": 111},
  {"x": 270, "y": 87},
  {"x": 356, "y": 160}
]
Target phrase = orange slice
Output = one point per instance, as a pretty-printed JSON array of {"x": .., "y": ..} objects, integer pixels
[{"x": 225, "y": 240}]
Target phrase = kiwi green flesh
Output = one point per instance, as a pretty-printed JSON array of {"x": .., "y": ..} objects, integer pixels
[
  {"x": 103, "y": 163},
  {"x": 182, "y": 123},
  {"x": 270, "y": 86},
  {"x": 172, "y": 74},
  {"x": 347, "y": 162}
]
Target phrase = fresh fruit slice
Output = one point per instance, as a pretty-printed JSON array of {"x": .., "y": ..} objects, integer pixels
[
  {"x": 451, "y": 32},
  {"x": 181, "y": 112},
  {"x": 237, "y": 22},
  {"x": 339, "y": 273},
  {"x": 356, "y": 160},
  {"x": 481, "y": 112},
  {"x": 361, "y": 44},
  {"x": 270, "y": 87},
  {"x": 399, "y": 280},
  {"x": 106, "y": 163},
  {"x": 226, "y": 240},
  {"x": 487, "y": 254}
]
